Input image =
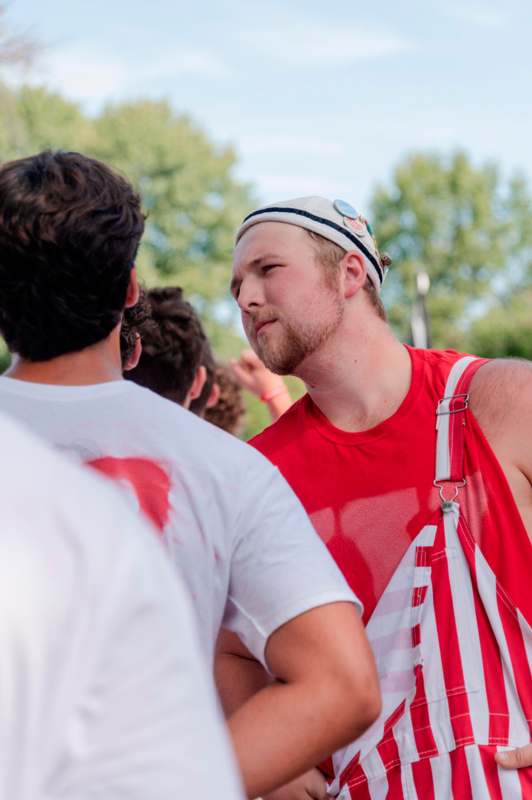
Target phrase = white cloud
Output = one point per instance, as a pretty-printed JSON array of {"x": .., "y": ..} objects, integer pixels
[
  {"x": 92, "y": 76},
  {"x": 327, "y": 45},
  {"x": 83, "y": 74},
  {"x": 272, "y": 186},
  {"x": 183, "y": 61},
  {"x": 480, "y": 15},
  {"x": 287, "y": 145}
]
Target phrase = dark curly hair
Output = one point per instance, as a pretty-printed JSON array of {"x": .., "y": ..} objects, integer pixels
[
  {"x": 174, "y": 345},
  {"x": 136, "y": 321},
  {"x": 228, "y": 413},
  {"x": 70, "y": 228}
]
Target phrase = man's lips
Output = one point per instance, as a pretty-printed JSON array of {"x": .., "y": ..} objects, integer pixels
[{"x": 261, "y": 325}]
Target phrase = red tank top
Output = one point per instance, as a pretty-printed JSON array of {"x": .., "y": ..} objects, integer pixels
[{"x": 369, "y": 493}]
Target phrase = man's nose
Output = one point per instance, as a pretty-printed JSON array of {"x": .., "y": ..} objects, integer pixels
[{"x": 249, "y": 295}]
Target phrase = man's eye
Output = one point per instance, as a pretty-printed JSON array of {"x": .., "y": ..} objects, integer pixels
[{"x": 267, "y": 267}]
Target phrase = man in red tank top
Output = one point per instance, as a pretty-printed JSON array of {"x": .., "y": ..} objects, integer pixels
[{"x": 441, "y": 557}]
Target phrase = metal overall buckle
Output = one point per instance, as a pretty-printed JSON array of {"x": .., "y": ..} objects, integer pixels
[
  {"x": 464, "y": 407},
  {"x": 447, "y": 503}
]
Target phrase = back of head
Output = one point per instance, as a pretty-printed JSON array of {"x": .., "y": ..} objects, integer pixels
[
  {"x": 69, "y": 233},
  {"x": 174, "y": 345}
]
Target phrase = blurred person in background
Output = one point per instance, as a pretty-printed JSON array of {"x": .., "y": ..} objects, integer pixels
[
  {"x": 416, "y": 469},
  {"x": 70, "y": 228},
  {"x": 165, "y": 349},
  {"x": 270, "y": 388},
  {"x": 228, "y": 413},
  {"x": 103, "y": 690}
]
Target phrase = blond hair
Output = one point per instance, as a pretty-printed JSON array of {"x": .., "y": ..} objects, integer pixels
[{"x": 330, "y": 254}]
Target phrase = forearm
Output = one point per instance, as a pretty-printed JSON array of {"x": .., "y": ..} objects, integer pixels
[
  {"x": 326, "y": 695},
  {"x": 279, "y": 403},
  {"x": 292, "y": 727},
  {"x": 237, "y": 679}
]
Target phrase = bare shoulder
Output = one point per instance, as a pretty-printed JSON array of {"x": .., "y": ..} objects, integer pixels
[{"x": 501, "y": 397}]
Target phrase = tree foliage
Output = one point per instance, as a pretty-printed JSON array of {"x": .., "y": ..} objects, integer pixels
[
  {"x": 505, "y": 330},
  {"x": 465, "y": 226},
  {"x": 194, "y": 204}
]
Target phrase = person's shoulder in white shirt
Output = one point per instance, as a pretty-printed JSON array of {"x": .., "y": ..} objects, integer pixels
[
  {"x": 103, "y": 691},
  {"x": 231, "y": 524}
]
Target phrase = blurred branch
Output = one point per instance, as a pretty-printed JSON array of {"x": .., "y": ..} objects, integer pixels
[{"x": 16, "y": 49}]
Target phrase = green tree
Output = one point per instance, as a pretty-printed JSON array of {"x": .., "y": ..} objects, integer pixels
[
  {"x": 193, "y": 201},
  {"x": 465, "y": 226},
  {"x": 505, "y": 330},
  {"x": 32, "y": 119}
]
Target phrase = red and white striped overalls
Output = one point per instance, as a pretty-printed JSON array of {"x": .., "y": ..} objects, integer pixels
[{"x": 454, "y": 656}]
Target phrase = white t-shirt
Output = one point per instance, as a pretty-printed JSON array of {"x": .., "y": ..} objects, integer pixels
[
  {"x": 241, "y": 538},
  {"x": 103, "y": 687}
]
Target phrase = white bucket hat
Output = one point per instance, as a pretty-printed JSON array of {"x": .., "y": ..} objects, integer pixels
[{"x": 337, "y": 221}]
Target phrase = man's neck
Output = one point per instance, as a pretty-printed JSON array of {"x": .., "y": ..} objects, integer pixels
[
  {"x": 360, "y": 378},
  {"x": 99, "y": 363}
]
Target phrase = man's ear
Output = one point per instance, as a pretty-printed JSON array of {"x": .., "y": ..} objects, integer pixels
[
  {"x": 133, "y": 290},
  {"x": 197, "y": 386},
  {"x": 134, "y": 358},
  {"x": 354, "y": 273},
  {"x": 214, "y": 396}
]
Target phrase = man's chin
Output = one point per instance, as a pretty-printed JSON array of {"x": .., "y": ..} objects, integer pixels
[
  {"x": 266, "y": 359},
  {"x": 278, "y": 365}
]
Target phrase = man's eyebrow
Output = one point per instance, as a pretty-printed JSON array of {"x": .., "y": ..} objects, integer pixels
[
  {"x": 256, "y": 262},
  {"x": 266, "y": 257}
]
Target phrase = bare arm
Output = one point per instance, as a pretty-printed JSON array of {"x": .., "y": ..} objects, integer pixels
[
  {"x": 501, "y": 399},
  {"x": 237, "y": 673},
  {"x": 238, "y": 677},
  {"x": 326, "y": 694},
  {"x": 254, "y": 376}
]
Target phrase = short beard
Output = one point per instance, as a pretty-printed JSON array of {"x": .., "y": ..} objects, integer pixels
[{"x": 297, "y": 344}]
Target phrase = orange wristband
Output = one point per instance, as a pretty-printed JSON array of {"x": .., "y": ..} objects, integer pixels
[{"x": 267, "y": 396}]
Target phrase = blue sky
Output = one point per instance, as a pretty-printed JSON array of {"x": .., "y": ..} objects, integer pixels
[{"x": 316, "y": 97}]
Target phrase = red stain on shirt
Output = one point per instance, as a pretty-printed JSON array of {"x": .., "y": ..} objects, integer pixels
[{"x": 149, "y": 481}]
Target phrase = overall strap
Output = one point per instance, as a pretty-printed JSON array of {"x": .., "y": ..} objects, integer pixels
[{"x": 451, "y": 416}]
